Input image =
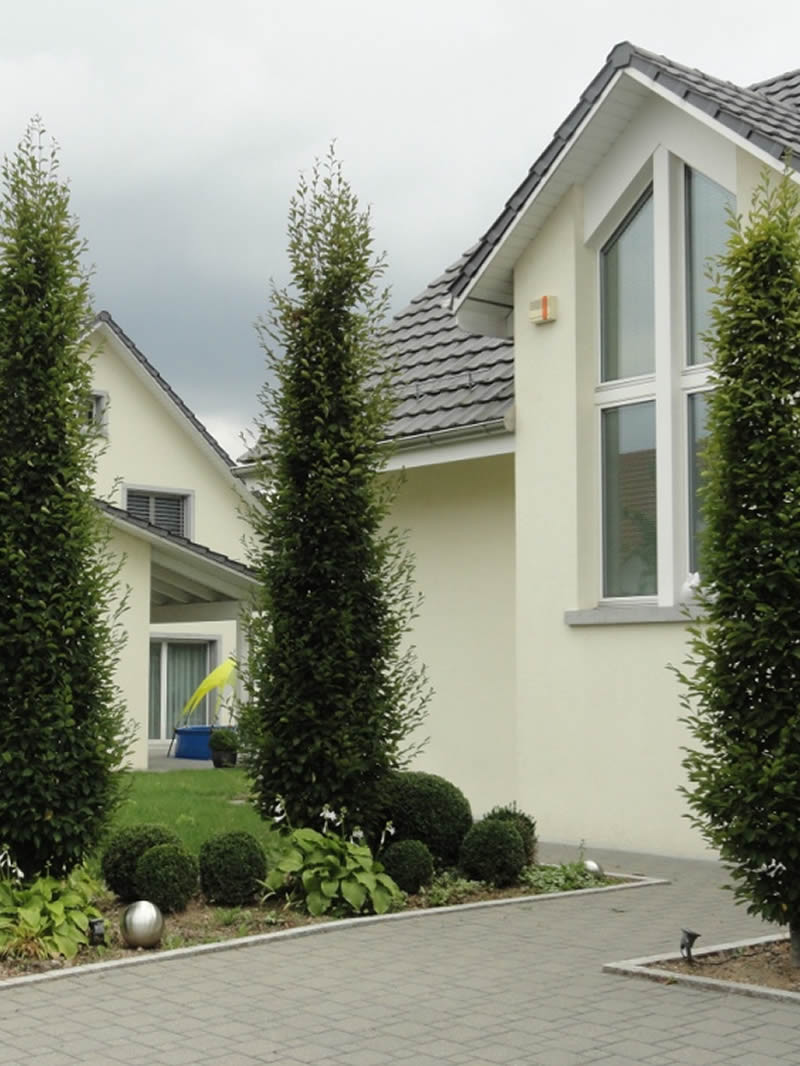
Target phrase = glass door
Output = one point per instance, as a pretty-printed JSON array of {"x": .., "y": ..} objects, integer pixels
[{"x": 176, "y": 669}]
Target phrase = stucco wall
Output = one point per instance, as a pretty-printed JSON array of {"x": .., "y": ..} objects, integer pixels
[
  {"x": 461, "y": 522},
  {"x": 599, "y": 737},
  {"x": 149, "y": 447},
  {"x": 133, "y": 666}
]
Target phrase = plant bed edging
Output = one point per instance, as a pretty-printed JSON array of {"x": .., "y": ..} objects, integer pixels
[
  {"x": 325, "y": 926},
  {"x": 647, "y": 967}
]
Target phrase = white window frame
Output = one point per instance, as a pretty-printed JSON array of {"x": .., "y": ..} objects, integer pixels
[
  {"x": 669, "y": 386},
  {"x": 213, "y": 645},
  {"x": 159, "y": 490},
  {"x": 99, "y": 414}
]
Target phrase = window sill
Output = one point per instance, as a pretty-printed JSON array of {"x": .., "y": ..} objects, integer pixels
[{"x": 635, "y": 614}]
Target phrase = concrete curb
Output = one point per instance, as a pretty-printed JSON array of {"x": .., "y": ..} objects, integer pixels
[
  {"x": 631, "y": 881},
  {"x": 647, "y": 966}
]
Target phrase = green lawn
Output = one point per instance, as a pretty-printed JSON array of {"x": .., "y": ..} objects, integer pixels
[{"x": 195, "y": 803}]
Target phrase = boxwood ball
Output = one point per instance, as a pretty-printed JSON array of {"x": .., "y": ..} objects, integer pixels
[{"x": 142, "y": 924}]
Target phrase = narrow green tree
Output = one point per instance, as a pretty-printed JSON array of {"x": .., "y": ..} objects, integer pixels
[
  {"x": 743, "y": 686},
  {"x": 333, "y": 695},
  {"x": 62, "y": 728}
]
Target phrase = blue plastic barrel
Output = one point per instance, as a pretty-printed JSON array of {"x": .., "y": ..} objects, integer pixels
[{"x": 192, "y": 742}]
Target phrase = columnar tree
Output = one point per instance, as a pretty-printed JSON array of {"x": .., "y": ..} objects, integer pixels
[
  {"x": 333, "y": 693},
  {"x": 743, "y": 685},
  {"x": 62, "y": 731}
]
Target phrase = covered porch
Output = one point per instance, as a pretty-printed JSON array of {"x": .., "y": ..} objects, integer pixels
[{"x": 177, "y": 598}]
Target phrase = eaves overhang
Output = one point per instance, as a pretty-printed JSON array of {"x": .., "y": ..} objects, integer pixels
[
  {"x": 770, "y": 129},
  {"x": 182, "y": 569}
]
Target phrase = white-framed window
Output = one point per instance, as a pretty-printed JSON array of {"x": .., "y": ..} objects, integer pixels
[
  {"x": 177, "y": 666},
  {"x": 97, "y": 412},
  {"x": 168, "y": 510},
  {"x": 651, "y": 381}
]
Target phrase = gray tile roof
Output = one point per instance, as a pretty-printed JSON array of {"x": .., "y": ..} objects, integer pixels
[
  {"x": 446, "y": 379},
  {"x": 783, "y": 89},
  {"x": 449, "y": 380},
  {"x": 200, "y": 550},
  {"x": 104, "y": 316},
  {"x": 765, "y": 114}
]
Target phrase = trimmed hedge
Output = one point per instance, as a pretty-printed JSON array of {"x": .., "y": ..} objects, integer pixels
[
  {"x": 493, "y": 851},
  {"x": 409, "y": 863},
  {"x": 167, "y": 875},
  {"x": 231, "y": 867},
  {"x": 424, "y": 807},
  {"x": 523, "y": 823},
  {"x": 123, "y": 851}
]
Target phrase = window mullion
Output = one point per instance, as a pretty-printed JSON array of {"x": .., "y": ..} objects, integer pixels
[
  {"x": 664, "y": 348},
  {"x": 163, "y": 646}
]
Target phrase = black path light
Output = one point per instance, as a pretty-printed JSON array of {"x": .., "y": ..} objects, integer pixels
[
  {"x": 97, "y": 931},
  {"x": 687, "y": 943}
]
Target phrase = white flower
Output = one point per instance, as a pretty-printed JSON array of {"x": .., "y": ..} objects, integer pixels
[
  {"x": 8, "y": 867},
  {"x": 357, "y": 834},
  {"x": 388, "y": 828}
]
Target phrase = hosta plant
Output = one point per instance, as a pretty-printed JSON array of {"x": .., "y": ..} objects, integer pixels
[
  {"x": 47, "y": 918},
  {"x": 327, "y": 872}
]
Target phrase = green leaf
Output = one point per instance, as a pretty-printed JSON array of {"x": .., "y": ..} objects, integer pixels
[
  {"x": 32, "y": 917},
  {"x": 292, "y": 862},
  {"x": 64, "y": 945},
  {"x": 365, "y": 878},
  {"x": 381, "y": 900},
  {"x": 354, "y": 893},
  {"x": 317, "y": 903}
]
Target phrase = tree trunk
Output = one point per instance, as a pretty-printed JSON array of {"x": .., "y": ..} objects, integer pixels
[{"x": 794, "y": 931}]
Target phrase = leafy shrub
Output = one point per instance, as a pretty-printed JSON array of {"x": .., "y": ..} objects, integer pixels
[
  {"x": 123, "y": 852},
  {"x": 327, "y": 872},
  {"x": 524, "y": 824},
  {"x": 232, "y": 866},
  {"x": 223, "y": 739},
  {"x": 166, "y": 874},
  {"x": 448, "y": 889},
  {"x": 425, "y": 807},
  {"x": 566, "y": 877},
  {"x": 46, "y": 918},
  {"x": 409, "y": 863},
  {"x": 493, "y": 851},
  {"x": 63, "y": 727},
  {"x": 334, "y": 695}
]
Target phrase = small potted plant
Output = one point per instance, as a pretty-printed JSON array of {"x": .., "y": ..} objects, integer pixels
[{"x": 224, "y": 745}]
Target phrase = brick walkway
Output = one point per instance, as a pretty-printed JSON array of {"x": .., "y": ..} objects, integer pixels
[{"x": 517, "y": 984}]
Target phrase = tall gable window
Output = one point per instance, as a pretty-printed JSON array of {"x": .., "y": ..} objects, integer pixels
[
  {"x": 628, "y": 429},
  {"x": 707, "y": 207},
  {"x": 628, "y": 348},
  {"x": 164, "y": 509},
  {"x": 629, "y": 500},
  {"x": 652, "y": 380}
]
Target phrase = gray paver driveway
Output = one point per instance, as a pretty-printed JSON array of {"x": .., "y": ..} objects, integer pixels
[{"x": 514, "y": 984}]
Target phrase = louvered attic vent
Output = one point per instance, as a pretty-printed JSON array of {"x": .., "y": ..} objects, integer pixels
[{"x": 166, "y": 510}]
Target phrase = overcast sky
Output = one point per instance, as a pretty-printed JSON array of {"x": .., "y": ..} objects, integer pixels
[{"x": 183, "y": 127}]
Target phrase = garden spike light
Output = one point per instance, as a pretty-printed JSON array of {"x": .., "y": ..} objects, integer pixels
[{"x": 687, "y": 942}]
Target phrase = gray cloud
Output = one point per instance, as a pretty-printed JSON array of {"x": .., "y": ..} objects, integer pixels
[{"x": 184, "y": 125}]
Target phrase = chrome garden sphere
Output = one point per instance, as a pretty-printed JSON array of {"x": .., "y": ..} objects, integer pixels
[
  {"x": 142, "y": 924},
  {"x": 593, "y": 867}
]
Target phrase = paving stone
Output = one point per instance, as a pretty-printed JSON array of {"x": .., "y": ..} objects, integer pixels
[{"x": 520, "y": 984}]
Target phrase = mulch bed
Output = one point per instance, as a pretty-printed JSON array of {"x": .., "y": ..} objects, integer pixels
[
  {"x": 758, "y": 964},
  {"x": 203, "y": 924}
]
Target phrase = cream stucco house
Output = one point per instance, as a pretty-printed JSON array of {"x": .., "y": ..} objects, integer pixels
[
  {"x": 550, "y": 427},
  {"x": 173, "y": 503}
]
